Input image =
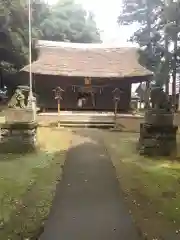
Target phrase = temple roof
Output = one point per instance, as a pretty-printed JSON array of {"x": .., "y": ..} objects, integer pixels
[{"x": 82, "y": 60}]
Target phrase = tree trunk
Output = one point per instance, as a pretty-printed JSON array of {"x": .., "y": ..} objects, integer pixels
[
  {"x": 147, "y": 95},
  {"x": 167, "y": 60},
  {"x": 149, "y": 30},
  {"x": 1, "y": 78},
  {"x": 178, "y": 94},
  {"x": 148, "y": 21},
  {"x": 167, "y": 3},
  {"x": 174, "y": 73}
]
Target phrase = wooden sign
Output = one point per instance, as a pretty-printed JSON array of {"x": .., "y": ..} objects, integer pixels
[{"x": 87, "y": 81}]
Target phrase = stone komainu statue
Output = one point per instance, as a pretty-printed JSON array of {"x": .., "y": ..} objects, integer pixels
[
  {"x": 17, "y": 100},
  {"x": 159, "y": 99}
]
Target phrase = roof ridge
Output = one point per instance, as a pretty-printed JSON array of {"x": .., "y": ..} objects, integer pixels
[{"x": 54, "y": 44}]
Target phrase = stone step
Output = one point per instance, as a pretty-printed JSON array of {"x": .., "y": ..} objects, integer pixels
[
  {"x": 81, "y": 118},
  {"x": 87, "y": 124},
  {"x": 86, "y": 118}
]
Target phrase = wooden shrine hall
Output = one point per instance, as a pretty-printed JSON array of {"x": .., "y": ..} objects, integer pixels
[{"x": 88, "y": 75}]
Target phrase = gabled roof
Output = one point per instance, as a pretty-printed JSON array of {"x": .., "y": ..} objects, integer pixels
[{"x": 92, "y": 60}]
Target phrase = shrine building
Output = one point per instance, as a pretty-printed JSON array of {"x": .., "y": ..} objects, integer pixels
[{"x": 91, "y": 73}]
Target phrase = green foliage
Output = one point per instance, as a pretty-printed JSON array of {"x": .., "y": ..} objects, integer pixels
[
  {"x": 158, "y": 27},
  {"x": 14, "y": 40},
  {"x": 65, "y": 21}
]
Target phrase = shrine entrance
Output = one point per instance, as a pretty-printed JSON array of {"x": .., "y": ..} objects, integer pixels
[
  {"x": 87, "y": 94},
  {"x": 86, "y": 98},
  {"x": 94, "y": 96}
]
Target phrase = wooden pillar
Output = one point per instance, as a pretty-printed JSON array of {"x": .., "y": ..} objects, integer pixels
[
  {"x": 58, "y": 103},
  {"x": 58, "y": 91}
]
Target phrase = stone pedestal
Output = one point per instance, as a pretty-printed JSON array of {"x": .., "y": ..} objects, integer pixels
[
  {"x": 18, "y": 115},
  {"x": 158, "y": 117},
  {"x": 157, "y": 134},
  {"x": 18, "y": 132},
  {"x": 18, "y": 137}
]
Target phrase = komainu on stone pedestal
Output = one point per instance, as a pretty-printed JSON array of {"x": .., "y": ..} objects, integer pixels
[
  {"x": 18, "y": 132},
  {"x": 17, "y": 100},
  {"x": 157, "y": 133}
]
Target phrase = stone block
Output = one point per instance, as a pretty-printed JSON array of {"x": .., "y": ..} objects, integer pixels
[
  {"x": 18, "y": 137},
  {"x": 158, "y": 117},
  {"x": 18, "y": 115},
  {"x": 157, "y": 140}
]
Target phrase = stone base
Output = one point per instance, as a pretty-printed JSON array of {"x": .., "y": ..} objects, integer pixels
[
  {"x": 18, "y": 115},
  {"x": 158, "y": 117},
  {"x": 18, "y": 137},
  {"x": 157, "y": 140}
]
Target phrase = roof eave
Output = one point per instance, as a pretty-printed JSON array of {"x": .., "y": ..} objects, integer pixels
[{"x": 108, "y": 75}]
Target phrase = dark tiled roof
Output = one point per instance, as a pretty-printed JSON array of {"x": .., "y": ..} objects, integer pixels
[{"x": 90, "y": 60}]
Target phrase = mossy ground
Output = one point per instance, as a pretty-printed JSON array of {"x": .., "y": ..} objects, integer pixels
[
  {"x": 28, "y": 182},
  {"x": 151, "y": 186}
]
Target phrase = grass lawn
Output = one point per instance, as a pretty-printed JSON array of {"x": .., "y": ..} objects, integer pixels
[
  {"x": 27, "y": 184},
  {"x": 151, "y": 187}
]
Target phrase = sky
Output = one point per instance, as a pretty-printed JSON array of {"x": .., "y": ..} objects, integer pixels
[{"x": 106, "y": 13}]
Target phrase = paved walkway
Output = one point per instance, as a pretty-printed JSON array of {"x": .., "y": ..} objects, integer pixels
[{"x": 88, "y": 204}]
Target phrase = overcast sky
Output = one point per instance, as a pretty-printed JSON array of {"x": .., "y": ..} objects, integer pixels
[{"x": 106, "y": 13}]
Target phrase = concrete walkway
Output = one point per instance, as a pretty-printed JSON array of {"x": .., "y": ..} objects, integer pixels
[{"x": 88, "y": 204}]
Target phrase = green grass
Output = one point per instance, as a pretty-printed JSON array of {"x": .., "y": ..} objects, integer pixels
[
  {"x": 27, "y": 184},
  {"x": 152, "y": 184}
]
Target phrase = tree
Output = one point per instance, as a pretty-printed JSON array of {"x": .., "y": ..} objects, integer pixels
[
  {"x": 14, "y": 38},
  {"x": 14, "y": 41},
  {"x": 148, "y": 14},
  {"x": 65, "y": 21},
  {"x": 40, "y": 12},
  {"x": 172, "y": 29},
  {"x": 159, "y": 30}
]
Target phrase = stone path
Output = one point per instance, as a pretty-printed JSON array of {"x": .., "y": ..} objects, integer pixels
[{"x": 88, "y": 204}]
